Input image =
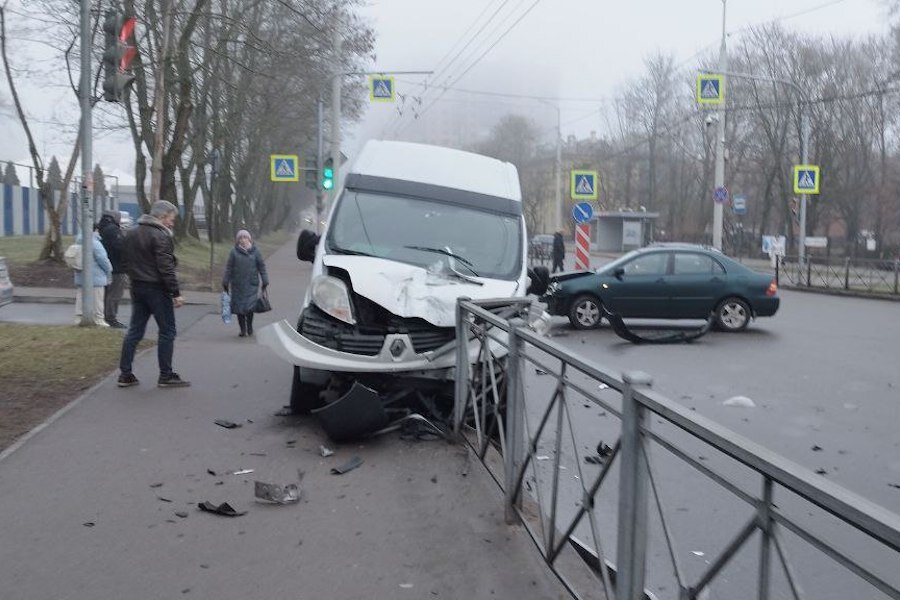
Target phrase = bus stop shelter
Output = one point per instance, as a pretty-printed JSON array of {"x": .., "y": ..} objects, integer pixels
[{"x": 621, "y": 231}]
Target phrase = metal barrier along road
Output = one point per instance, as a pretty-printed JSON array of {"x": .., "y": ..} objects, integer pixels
[
  {"x": 862, "y": 275},
  {"x": 676, "y": 498}
]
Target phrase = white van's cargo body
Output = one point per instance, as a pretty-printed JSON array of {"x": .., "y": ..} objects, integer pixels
[{"x": 414, "y": 228}]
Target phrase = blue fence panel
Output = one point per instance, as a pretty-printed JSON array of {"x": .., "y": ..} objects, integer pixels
[{"x": 7, "y": 210}]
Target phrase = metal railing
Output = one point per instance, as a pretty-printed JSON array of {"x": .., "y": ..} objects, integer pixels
[
  {"x": 526, "y": 406},
  {"x": 873, "y": 276}
]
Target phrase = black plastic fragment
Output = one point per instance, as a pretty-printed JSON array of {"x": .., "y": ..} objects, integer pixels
[
  {"x": 656, "y": 335},
  {"x": 224, "y": 509},
  {"x": 347, "y": 466},
  {"x": 226, "y": 424},
  {"x": 355, "y": 414}
]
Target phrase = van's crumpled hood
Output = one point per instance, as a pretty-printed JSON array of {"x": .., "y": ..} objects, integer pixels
[{"x": 410, "y": 291}]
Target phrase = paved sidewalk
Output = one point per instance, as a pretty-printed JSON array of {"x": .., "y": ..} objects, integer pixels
[
  {"x": 102, "y": 502},
  {"x": 67, "y": 296}
]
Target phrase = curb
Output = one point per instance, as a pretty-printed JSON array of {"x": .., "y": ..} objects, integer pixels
[{"x": 71, "y": 300}]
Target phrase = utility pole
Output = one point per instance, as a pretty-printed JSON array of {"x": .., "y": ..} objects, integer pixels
[
  {"x": 720, "y": 144},
  {"x": 87, "y": 174},
  {"x": 320, "y": 162},
  {"x": 804, "y": 144},
  {"x": 559, "y": 204},
  {"x": 210, "y": 225},
  {"x": 336, "y": 81},
  {"x": 160, "y": 106}
]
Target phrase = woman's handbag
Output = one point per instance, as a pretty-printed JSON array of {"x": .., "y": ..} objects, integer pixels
[{"x": 262, "y": 303}]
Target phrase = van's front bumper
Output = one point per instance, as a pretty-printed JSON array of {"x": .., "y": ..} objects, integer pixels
[{"x": 397, "y": 354}]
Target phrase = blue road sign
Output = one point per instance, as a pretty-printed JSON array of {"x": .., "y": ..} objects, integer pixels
[
  {"x": 739, "y": 205},
  {"x": 720, "y": 194},
  {"x": 582, "y": 212},
  {"x": 284, "y": 167}
]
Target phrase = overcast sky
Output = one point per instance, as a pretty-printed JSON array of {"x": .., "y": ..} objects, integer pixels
[{"x": 561, "y": 48}]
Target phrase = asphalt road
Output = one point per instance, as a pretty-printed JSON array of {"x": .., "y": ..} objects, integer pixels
[{"x": 823, "y": 377}]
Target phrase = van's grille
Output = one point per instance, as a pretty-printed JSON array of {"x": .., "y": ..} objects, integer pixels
[{"x": 368, "y": 338}]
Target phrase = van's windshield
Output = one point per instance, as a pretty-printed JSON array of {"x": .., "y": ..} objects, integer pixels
[{"x": 424, "y": 232}]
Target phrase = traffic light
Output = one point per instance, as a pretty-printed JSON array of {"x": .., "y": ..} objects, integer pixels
[
  {"x": 117, "y": 55},
  {"x": 310, "y": 173},
  {"x": 328, "y": 174}
]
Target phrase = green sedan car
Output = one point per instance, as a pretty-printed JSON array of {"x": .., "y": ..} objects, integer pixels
[{"x": 677, "y": 281}]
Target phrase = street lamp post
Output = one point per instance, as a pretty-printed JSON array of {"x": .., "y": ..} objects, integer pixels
[
  {"x": 718, "y": 216},
  {"x": 557, "y": 210},
  {"x": 802, "y": 104}
]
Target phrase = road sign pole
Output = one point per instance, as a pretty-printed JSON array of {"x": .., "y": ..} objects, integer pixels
[
  {"x": 87, "y": 219},
  {"x": 804, "y": 142},
  {"x": 720, "y": 145},
  {"x": 320, "y": 160},
  {"x": 582, "y": 247},
  {"x": 336, "y": 81},
  {"x": 558, "y": 221}
]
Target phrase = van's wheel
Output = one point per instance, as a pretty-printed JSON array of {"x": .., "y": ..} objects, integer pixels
[
  {"x": 304, "y": 396},
  {"x": 585, "y": 312},
  {"x": 732, "y": 315}
]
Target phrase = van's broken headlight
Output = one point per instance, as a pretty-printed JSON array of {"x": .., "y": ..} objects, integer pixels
[{"x": 332, "y": 297}]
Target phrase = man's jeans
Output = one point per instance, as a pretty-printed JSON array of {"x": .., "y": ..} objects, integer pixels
[{"x": 147, "y": 301}]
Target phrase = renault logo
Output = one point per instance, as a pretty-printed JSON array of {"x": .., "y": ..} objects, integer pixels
[{"x": 398, "y": 347}]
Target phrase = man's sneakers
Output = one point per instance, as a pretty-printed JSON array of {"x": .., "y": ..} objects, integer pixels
[
  {"x": 127, "y": 380},
  {"x": 172, "y": 380},
  {"x": 117, "y": 325}
]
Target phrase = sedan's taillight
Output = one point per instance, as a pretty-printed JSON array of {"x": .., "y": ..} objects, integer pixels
[{"x": 772, "y": 289}]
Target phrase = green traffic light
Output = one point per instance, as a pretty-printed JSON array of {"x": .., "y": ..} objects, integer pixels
[
  {"x": 327, "y": 184},
  {"x": 328, "y": 173}
]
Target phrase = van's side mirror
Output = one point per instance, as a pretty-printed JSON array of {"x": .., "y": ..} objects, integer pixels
[
  {"x": 619, "y": 273},
  {"x": 306, "y": 245},
  {"x": 540, "y": 279}
]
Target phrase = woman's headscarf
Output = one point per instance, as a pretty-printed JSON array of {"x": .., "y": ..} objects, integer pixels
[{"x": 243, "y": 239}]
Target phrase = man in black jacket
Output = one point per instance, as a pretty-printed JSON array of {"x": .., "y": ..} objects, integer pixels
[
  {"x": 111, "y": 238},
  {"x": 559, "y": 251},
  {"x": 149, "y": 254}
]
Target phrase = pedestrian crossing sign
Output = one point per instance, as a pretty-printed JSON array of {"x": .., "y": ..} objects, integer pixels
[
  {"x": 381, "y": 88},
  {"x": 584, "y": 185},
  {"x": 284, "y": 167},
  {"x": 710, "y": 89},
  {"x": 806, "y": 179}
]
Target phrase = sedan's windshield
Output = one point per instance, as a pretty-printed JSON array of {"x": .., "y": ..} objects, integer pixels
[{"x": 423, "y": 232}]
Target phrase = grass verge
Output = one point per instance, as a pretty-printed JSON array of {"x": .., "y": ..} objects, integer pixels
[{"x": 44, "y": 367}]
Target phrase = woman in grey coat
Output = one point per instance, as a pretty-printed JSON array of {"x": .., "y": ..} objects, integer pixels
[{"x": 243, "y": 273}]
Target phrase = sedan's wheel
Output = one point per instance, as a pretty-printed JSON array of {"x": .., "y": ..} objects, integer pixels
[
  {"x": 585, "y": 312},
  {"x": 733, "y": 314}
]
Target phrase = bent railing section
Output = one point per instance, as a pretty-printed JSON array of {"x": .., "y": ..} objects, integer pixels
[{"x": 532, "y": 411}]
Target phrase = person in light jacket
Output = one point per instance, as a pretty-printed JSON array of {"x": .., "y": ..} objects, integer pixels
[
  {"x": 243, "y": 273},
  {"x": 101, "y": 276}
]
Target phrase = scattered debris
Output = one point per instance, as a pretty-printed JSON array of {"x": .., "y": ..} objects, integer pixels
[
  {"x": 603, "y": 386},
  {"x": 258, "y": 454},
  {"x": 89, "y": 524},
  {"x": 434, "y": 479},
  {"x": 656, "y": 334},
  {"x": 226, "y": 424},
  {"x": 272, "y": 492},
  {"x": 740, "y": 402},
  {"x": 156, "y": 485},
  {"x": 698, "y": 553},
  {"x": 290, "y": 443},
  {"x": 358, "y": 412},
  {"x": 181, "y": 514},
  {"x": 821, "y": 472},
  {"x": 284, "y": 411},
  {"x": 540, "y": 372},
  {"x": 406, "y": 586},
  {"x": 243, "y": 472},
  {"x": 603, "y": 449},
  {"x": 161, "y": 499},
  {"x": 894, "y": 485},
  {"x": 816, "y": 448},
  {"x": 593, "y": 460},
  {"x": 211, "y": 472},
  {"x": 224, "y": 509},
  {"x": 542, "y": 457},
  {"x": 347, "y": 466},
  {"x": 325, "y": 452}
]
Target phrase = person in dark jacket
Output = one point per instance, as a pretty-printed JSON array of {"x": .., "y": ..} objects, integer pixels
[
  {"x": 559, "y": 251},
  {"x": 149, "y": 255},
  {"x": 111, "y": 237},
  {"x": 243, "y": 273}
]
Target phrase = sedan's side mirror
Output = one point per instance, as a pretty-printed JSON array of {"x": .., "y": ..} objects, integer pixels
[
  {"x": 619, "y": 273},
  {"x": 306, "y": 245}
]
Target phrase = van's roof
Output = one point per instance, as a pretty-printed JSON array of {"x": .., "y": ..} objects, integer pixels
[{"x": 436, "y": 165}]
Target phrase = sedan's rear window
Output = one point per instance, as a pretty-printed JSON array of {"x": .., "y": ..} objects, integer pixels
[{"x": 692, "y": 263}]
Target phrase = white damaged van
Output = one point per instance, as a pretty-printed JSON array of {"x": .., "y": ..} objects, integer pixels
[{"x": 414, "y": 228}]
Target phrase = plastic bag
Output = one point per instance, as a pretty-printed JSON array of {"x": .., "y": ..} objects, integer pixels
[
  {"x": 225, "y": 301},
  {"x": 72, "y": 256},
  {"x": 262, "y": 303}
]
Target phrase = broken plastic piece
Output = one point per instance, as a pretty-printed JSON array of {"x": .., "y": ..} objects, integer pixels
[
  {"x": 347, "y": 466},
  {"x": 181, "y": 514},
  {"x": 325, "y": 452},
  {"x": 226, "y": 424},
  {"x": 272, "y": 492},
  {"x": 356, "y": 413},
  {"x": 656, "y": 334},
  {"x": 740, "y": 402},
  {"x": 224, "y": 509},
  {"x": 593, "y": 460},
  {"x": 603, "y": 449},
  {"x": 243, "y": 472}
]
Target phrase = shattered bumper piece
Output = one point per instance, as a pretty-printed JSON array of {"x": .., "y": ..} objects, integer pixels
[
  {"x": 357, "y": 413},
  {"x": 224, "y": 509},
  {"x": 347, "y": 466}
]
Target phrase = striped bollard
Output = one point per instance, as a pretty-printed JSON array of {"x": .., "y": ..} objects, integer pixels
[{"x": 582, "y": 247}]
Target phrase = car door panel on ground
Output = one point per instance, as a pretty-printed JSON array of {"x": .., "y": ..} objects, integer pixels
[
  {"x": 640, "y": 290},
  {"x": 697, "y": 282}
]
